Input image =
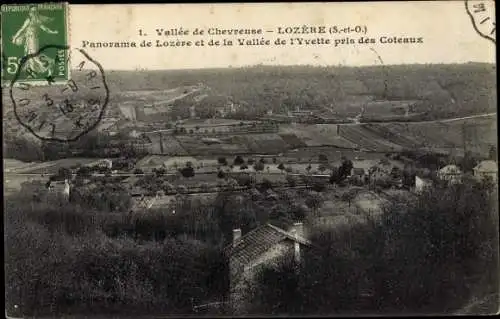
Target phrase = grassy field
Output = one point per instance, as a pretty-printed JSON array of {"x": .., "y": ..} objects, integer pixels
[{"x": 46, "y": 167}]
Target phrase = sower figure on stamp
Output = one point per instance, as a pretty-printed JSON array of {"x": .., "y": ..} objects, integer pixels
[{"x": 28, "y": 35}]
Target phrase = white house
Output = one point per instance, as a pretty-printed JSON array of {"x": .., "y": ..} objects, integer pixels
[
  {"x": 421, "y": 184},
  {"x": 485, "y": 169},
  {"x": 450, "y": 173}
]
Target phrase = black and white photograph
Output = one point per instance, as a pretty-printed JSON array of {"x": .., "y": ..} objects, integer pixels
[{"x": 259, "y": 159}]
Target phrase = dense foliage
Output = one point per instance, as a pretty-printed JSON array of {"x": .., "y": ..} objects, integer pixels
[
  {"x": 62, "y": 258},
  {"x": 430, "y": 255}
]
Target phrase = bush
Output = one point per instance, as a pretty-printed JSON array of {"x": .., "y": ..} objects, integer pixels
[
  {"x": 238, "y": 160},
  {"x": 319, "y": 186},
  {"x": 291, "y": 180},
  {"x": 187, "y": 172},
  {"x": 259, "y": 166},
  {"x": 322, "y": 158},
  {"x": 266, "y": 184},
  {"x": 245, "y": 180},
  {"x": 84, "y": 172},
  {"x": 222, "y": 161}
]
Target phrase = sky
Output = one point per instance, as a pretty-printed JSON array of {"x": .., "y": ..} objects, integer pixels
[{"x": 446, "y": 29}]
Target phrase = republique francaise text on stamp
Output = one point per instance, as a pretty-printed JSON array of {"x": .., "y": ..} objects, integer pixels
[
  {"x": 28, "y": 28},
  {"x": 47, "y": 101}
]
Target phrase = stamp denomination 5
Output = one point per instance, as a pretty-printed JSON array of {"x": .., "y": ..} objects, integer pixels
[{"x": 25, "y": 30}]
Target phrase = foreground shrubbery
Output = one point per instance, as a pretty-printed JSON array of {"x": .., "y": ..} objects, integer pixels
[
  {"x": 85, "y": 257},
  {"x": 59, "y": 260},
  {"x": 428, "y": 256}
]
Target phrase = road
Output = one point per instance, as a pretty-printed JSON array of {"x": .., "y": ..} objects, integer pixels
[{"x": 431, "y": 121}]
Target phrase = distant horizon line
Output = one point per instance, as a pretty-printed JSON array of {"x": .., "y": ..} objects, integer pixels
[{"x": 295, "y": 65}]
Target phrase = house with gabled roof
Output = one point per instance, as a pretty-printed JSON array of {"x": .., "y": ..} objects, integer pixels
[
  {"x": 264, "y": 246},
  {"x": 486, "y": 169},
  {"x": 450, "y": 173}
]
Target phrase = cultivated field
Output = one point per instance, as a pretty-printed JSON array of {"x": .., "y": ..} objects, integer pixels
[{"x": 45, "y": 167}]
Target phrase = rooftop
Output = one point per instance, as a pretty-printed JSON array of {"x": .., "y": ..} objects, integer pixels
[
  {"x": 258, "y": 241},
  {"x": 450, "y": 169},
  {"x": 487, "y": 166}
]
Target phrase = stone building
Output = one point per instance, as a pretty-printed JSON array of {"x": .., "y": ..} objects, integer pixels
[{"x": 263, "y": 246}]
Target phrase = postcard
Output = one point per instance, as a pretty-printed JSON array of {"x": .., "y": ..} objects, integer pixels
[{"x": 270, "y": 159}]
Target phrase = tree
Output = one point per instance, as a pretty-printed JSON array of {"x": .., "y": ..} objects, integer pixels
[
  {"x": 245, "y": 180},
  {"x": 168, "y": 188},
  {"x": 222, "y": 161},
  {"x": 323, "y": 158},
  {"x": 187, "y": 171},
  {"x": 335, "y": 177},
  {"x": 275, "y": 160},
  {"x": 468, "y": 162},
  {"x": 349, "y": 195},
  {"x": 205, "y": 187},
  {"x": 322, "y": 167},
  {"x": 221, "y": 174},
  {"x": 384, "y": 162},
  {"x": 281, "y": 167},
  {"x": 291, "y": 180},
  {"x": 409, "y": 177},
  {"x": 259, "y": 166},
  {"x": 382, "y": 180},
  {"x": 160, "y": 171},
  {"x": 493, "y": 153},
  {"x": 64, "y": 173},
  {"x": 308, "y": 168},
  {"x": 396, "y": 172},
  {"x": 346, "y": 167},
  {"x": 238, "y": 160},
  {"x": 84, "y": 172},
  {"x": 266, "y": 184},
  {"x": 319, "y": 186},
  {"x": 314, "y": 200},
  {"x": 232, "y": 183},
  {"x": 243, "y": 167}
]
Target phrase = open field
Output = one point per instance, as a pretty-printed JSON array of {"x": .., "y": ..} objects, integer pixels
[
  {"x": 45, "y": 167},
  {"x": 477, "y": 134}
]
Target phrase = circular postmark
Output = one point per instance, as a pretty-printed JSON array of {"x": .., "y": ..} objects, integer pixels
[
  {"x": 60, "y": 111},
  {"x": 482, "y": 15}
]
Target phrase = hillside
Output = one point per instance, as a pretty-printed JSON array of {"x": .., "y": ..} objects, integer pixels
[
  {"x": 415, "y": 92},
  {"x": 435, "y": 91}
]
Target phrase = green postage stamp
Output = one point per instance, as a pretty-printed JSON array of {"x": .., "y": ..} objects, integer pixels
[{"x": 34, "y": 43}]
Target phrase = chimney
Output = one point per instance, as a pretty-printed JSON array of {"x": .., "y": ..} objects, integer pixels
[
  {"x": 236, "y": 236},
  {"x": 297, "y": 230}
]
